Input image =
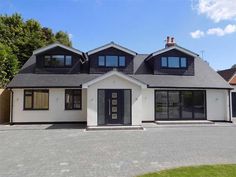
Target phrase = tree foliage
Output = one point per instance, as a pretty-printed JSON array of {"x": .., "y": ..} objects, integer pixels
[
  {"x": 8, "y": 65},
  {"x": 63, "y": 38},
  {"x": 20, "y": 38}
]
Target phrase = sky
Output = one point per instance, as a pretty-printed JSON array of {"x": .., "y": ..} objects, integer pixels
[{"x": 207, "y": 27}]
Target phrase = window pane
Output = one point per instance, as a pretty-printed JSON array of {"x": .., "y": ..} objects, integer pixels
[
  {"x": 174, "y": 105},
  {"x": 163, "y": 61},
  {"x": 77, "y": 102},
  {"x": 173, "y": 62},
  {"x": 101, "y": 107},
  {"x": 101, "y": 61},
  {"x": 28, "y": 102},
  {"x": 187, "y": 103},
  {"x": 127, "y": 106},
  {"x": 121, "y": 61},
  {"x": 199, "y": 105},
  {"x": 161, "y": 105},
  {"x": 40, "y": 100},
  {"x": 183, "y": 62},
  {"x": 28, "y": 92},
  {"x": 47, "y": 60},
  {"x": 68, "y": 61},
  {"x": 57, "y": 60},
  {"x": 69, "y": 101},
  {"x": 112, "y": 61}
]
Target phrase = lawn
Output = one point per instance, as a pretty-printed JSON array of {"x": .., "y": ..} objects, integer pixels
[{"x": 197, "y": 171}]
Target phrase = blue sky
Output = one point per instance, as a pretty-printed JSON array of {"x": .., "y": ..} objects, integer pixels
[{"x": 141, "y": 25}]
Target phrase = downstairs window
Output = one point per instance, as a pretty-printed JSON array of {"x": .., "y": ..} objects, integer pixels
[
  {"x": 73, "y": 99},
  {"x": 36, "y": 99}
]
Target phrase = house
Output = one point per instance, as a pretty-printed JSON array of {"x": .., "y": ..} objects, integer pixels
[
  {"x": 230, "y": 76},
  {"x": 113, "y": 85}
]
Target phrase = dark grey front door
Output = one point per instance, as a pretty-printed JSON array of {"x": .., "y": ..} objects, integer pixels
[
  {"x": 234, "y": 104},
  {"x": 114, "y": 107}
]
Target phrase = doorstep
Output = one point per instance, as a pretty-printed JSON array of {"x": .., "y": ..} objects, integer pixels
[
  {"x": 131, "y": 127},
  {"x": 177, "y": 122}
]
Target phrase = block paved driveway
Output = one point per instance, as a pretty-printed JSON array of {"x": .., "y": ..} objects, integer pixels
[{"x": 66, "y": 151}]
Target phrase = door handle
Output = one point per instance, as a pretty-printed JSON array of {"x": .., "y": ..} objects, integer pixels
[{"x": 109, "y": 107}]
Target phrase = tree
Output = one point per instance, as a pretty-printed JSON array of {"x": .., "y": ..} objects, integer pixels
[
  {"x": 63, "y": 38},
  {"x": 234, "y": 66},
  {"x": 23, "y": 37},
  {"x": 8, "y": 65}
]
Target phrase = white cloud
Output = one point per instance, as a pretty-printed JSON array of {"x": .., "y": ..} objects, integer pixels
[
  {"x": 197, "y": 34},
  {"x": 217, "y": 10},
  {"x": 70, "y": 36},
  {"x": 221, "y": 32}
]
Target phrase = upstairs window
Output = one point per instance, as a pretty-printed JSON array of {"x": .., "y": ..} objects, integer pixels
[
  {"x": 173, "y": 62},
  {"x": 58, "y": 61},
  {"x": 111, "y": 61}
]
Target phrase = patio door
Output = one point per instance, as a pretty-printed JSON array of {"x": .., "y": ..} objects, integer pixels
[
  {"x": 114, "y": 107},
  {"x": 234, "y": 104}
]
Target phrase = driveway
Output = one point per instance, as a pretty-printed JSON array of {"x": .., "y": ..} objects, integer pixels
[{"x": 70, "y": 151}]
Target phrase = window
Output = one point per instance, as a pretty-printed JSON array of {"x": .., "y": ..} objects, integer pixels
[
  {"x": 68, "y": 61},
  {"x": 183, "y": 62},
  {"x": 101, "y": 61},
  {"x": 36, "y": 100},
  {"x": 180, "y": 105},
  {"x": 164, "y": 62},
  {"x": 121, "y": 61},
  {"x": 111, "y": 61},
  {"x": 73, "y": 99},
  {"x": 173, "y": 62},
  {"x": 58, "y": 61}
]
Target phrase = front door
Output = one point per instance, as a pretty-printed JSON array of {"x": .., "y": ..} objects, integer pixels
[
  {"x": 114, "y": 107},
  {"x": 234, "y": 104}
]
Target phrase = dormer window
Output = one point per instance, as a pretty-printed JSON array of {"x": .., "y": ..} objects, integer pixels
[
  {"x": 57, "y": 61},
  {"x": 173, "y": 62},
  {"x": 111, "y": 61}
]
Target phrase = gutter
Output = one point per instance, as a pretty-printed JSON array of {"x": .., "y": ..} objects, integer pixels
[
  {"x": 230, "y": 118},
  {"x": 204, "y": 88},
  {"x": 11, "y": 107}
]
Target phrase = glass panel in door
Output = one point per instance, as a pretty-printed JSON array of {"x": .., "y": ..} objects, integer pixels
[{"x": 174, "y": 105}]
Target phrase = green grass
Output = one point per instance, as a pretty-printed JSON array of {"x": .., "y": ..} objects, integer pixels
[{"x": 197, "y": 171}]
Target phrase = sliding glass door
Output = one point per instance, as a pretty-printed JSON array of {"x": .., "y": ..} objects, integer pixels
[{"x": 180, "y": 105}]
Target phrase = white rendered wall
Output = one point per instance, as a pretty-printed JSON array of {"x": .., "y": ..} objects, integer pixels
[
  {"x": 217, "y": 105},
  {"x": 56, "y": 112},
  {"x": 114, "y": 82},
  {"x": 148, "y": 96}
]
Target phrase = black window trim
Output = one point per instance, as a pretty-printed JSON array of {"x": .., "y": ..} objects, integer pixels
[
  {"x": 73, "y": 90},
  {"x": 193, "y": 117},
  {"x": 32, "y": 99},
  {"x": 118, "y": 64},
  {"x": 167, "y": 59},
  {"x": 64, "y": 66}
]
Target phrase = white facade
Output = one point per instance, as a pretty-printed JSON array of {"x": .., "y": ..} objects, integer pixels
[
  {"x": 56, "y": 112},
  {"x": 114, "y": 82},
  {"x": 217, "y": 104},
  {"x": 143, "y": 103}
]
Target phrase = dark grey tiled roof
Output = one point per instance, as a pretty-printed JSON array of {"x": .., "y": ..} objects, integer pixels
[
  {"x": 205, "y": 77},
  {"x": 50, "y": 80}
]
